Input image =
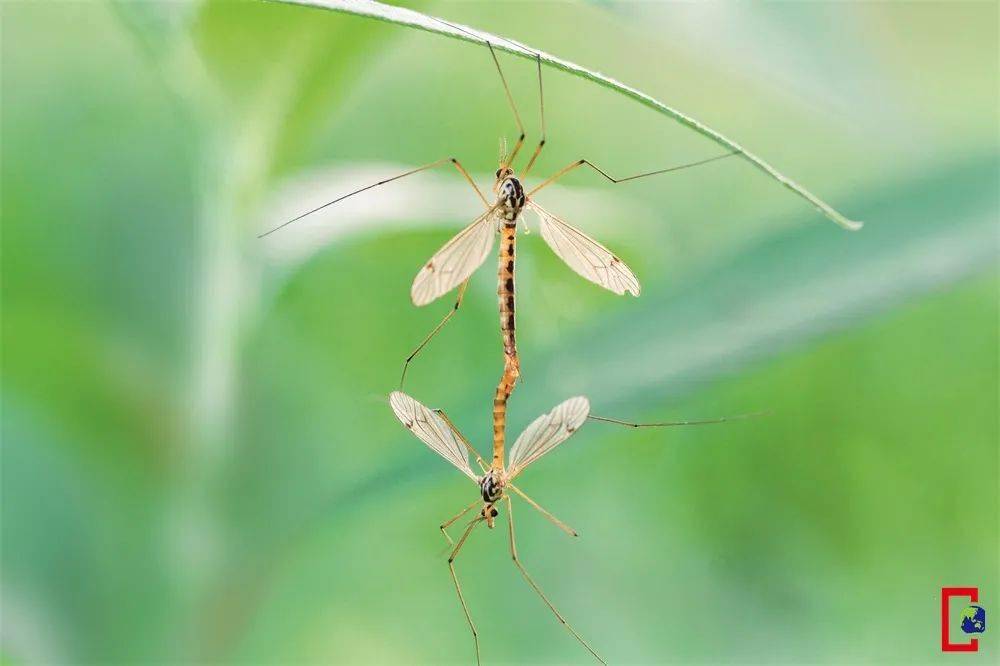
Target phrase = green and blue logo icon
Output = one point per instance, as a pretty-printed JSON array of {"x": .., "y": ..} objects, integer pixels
[{"x": 973, "y": 620}]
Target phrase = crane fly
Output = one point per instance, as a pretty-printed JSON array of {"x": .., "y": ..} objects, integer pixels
[
  {"x": 495, "y": 482},
  {"x": 452, "y": 266}
]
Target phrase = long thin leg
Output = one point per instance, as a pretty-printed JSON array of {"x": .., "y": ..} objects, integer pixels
[
  {"x": 534, "y": 585},
  {"x": 579, "y": 163},
  {"x": 458, "y": 588},
  {"x": 541, "y": 105},
  {"x": 443, "y": 160},
  {"x": 558, "y": 523},
  {"x": 448, "y": 523},
  {"x": 510, "y": 100},
  {"x": 444, "y": 320},
  {"x": 722, "y": 419},
  {"x": 461, "y": 437}
]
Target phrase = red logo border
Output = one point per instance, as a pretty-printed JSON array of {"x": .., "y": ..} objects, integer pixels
[{"x": 946, "y": 594}]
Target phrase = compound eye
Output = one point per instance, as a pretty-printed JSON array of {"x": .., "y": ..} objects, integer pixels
[{"x": 493, "y": 513}]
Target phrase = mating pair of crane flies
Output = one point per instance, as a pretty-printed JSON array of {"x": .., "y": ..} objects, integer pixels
[{"x": 451, "y": 267}]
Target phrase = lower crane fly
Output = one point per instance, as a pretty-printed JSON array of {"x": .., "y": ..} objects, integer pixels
[{"x": 496, "y": 481}]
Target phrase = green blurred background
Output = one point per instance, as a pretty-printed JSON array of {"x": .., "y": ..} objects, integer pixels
[{"x": 198, "y": 461}]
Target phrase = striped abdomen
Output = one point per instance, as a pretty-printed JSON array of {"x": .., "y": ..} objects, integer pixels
[{"x": 511, "y": 365}]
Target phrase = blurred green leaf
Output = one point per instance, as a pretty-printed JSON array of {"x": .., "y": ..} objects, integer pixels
[
  {"x": 282, "y": 85},
  {"x": 157, "y": 25}
]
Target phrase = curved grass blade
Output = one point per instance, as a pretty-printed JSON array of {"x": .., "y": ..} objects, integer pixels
[{"x": 413, "y": 19}]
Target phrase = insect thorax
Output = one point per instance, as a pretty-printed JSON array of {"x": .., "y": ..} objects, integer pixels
[
  {"x": 491, "y": 486},
  {"x": 510, "y": 199}
]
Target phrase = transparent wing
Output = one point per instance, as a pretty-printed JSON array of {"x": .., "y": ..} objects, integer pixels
[
  {"x": 454, "y": 262},
  {"x": 586, "y": 256},
  {"x": 431, "y": 430},
  {"x": 546, "y": 433}
]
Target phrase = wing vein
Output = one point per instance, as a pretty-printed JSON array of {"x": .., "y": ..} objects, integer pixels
[{"x": 585, "y": 256}]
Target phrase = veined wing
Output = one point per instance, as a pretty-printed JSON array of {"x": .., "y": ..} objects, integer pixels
[
  {"x": 546, "y": 433},
  {"x": 586, "y": 256},
  {"x": 457, "y": 260},
  {"x": 431, "y": 430}
]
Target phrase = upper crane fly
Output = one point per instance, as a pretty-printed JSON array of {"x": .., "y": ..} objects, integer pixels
[
  {"x": 453, "y": 265},
  {"x": 460, "y": 257}
]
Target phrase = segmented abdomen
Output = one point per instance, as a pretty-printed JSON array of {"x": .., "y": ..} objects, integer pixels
[{"x": 511, "y": 369}]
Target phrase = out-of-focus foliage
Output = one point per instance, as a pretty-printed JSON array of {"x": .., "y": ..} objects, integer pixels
[{"x": 198, "y": 462}]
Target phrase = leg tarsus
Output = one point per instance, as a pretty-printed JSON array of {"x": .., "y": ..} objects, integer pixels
[
  {"x": 458, "y": 587},
  {"x": 534, "y": 585},
  {"x": 425, "y": 167},
  {"x": 510, "y": 100},
  {"x": 434, "y": 331},
  {"x": 541, "y": 113},
  {"x": 465, "y": 609},
  {"x": 581, "y": 162},
  {"x": 465, "y": 174},
  {"x": 448, "y": 523},
  {"x": 558, "y": 523}
]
